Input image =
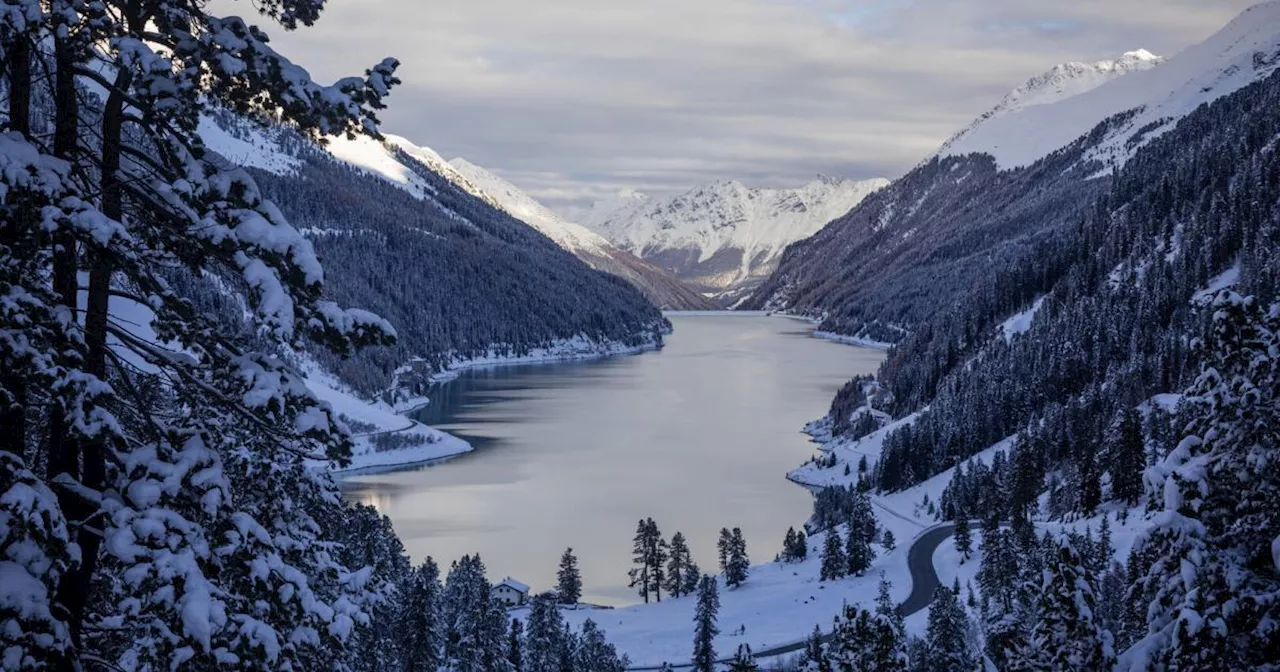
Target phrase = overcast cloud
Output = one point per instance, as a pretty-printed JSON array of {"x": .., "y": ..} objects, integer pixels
[{"x": 575, "y": 99}]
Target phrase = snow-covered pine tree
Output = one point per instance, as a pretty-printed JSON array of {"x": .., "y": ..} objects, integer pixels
[
  {"x": 640, "y": 556},
  {"x": 738, "y": 565},
  {"x": 963, "y": 536},
  {"x": 1127, "y": 456},
  {"x": 679, "y": 564},
  {"x": 857, "y": 553},
  {"x": 419, "y": 630},
  {"x": 544, "y": 638},
  {"x": 515, "y": 646},
  {"x": 1066, "y": 635},
  {"x": 693, "y": 575},
  {"x": 141, "y": 202},
  {"x": 947, "y": 634},
  {"x": 1214, "y": 550},
  {"x": 815, "y": 657},
  {"x": 866, "y": 641},
  {"x": 862, "y": 520},
  {"x": 788, "y": 545},
  {"x": 743, "y": 660},
  {"x": 475, "y": 625},
  {"x": 887, "y": 609},
  {"x": 704, "y": 625},
  {"x": 801, "y": 549},
  {"x": 35, "y": 550},
  {"x": 888, "y": 541},
  {"x": 724, "y": 546},
  {"x": 366, "y": 539},
  {"x": 834, "y": 563},
  {"x": 569, "y": 579},
  {"x": 595, "y": 653}
]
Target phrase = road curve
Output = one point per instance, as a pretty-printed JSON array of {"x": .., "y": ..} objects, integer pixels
[{"x": 924, "y": 581}]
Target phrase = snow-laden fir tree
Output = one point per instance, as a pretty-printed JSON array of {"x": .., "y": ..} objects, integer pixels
[
  {"x": 857, "y": 553},
  {"x": 834, "y": 563},
  {"x": 737, "y": 565},
  {"x": 704, "y": 625},
  {"x": 649, "y": 556},
  {"x": 475, "y": 624},
  {"x": 788, "y": 546},
  {"x": 1213, "y": 582},
  {"x": 419, "y": 631},
  {"x": 888, "y": 541},
  {"x": 209, "y": 546},
  {"x": 886, "y": 608},
  {"x": 680, "y": 567},
  {"x": 814, "y": 658},
  {"x": 963, "y": 536},
  {"x": 1127, "y": 456},
  {"x": 594, "y": 652},
  {"x": 544, "y": 636},
  {"x": 515, "y": 645},
  {"x": 569, "y": 579},
  {"x": 866, "y": 641},
  {"x": 743, "y": 660},
  {"x": 947, "y": 635},
  {"x": 1066, "y": 634}
]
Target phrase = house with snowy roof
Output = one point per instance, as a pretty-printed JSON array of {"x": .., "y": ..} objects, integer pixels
[{"x": 510, "y": 592}]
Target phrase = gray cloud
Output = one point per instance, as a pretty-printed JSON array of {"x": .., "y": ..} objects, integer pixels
[{"x": 575, "y": 99}]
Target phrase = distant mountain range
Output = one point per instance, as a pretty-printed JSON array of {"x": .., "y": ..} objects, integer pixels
[
  {"x": 723, "y": 238},
  {"x": 661, "y": 287}
]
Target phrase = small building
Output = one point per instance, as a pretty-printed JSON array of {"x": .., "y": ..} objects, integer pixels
[{"x": 510, "y": 592}]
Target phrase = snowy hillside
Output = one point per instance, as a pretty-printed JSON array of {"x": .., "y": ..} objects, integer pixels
[
  {"x": 573, "y": 237},
  {"x": 1059, "y": 83},
  {"x": 724, "y": 236},
  {"x": 1055, "y": 109}
]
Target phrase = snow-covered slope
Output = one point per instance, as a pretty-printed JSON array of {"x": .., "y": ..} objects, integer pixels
[
  {"x": 1068, "y": 103},
  {"x": 573, "y": 237},
  {"x": 661, "y": 287},
  {"x": 724, "y": 237}
]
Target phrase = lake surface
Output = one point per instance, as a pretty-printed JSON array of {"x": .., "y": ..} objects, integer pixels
[{"x": 698, "y": 436}]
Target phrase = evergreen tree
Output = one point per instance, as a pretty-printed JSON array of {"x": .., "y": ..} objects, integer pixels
[
  {"x": 515, "y": 646},
  {"x": 801, "y": 549},
  {"x": 1105, "y": 549},
  {"x": 705, "y": 630},
  {"x": 858, "y": 554},
  {"x": 569, "y": 579},
  {"x": 692, "y": 577},
  {"x": 474, "y": 624},
  {"x": 594, "y": 653},
  {"x": 963, "y": 538},
  {"x": 545, "y": 638},
  {"x": 866, "y": 641},
  {"x": 888, "y": 541},
  {"x": 649, "y": 556},
  {"x": 1212, "y": 583},
  {"x": 947, "y": 634},
  {"x": 1066, "y": 635},
  {"x": 724, "y": 548},
  {"x": 743, "y": 660},
  {"x": 421, "y": 633},
  {"x": 737, "y": 564},
  {"x": 815, "y": 654},
  {"x": 1126, "y": 450},
  {"x": 789, "y": 545},
  {"x": 885, "y": 608},
  {"x": 680, "y": 567},
  {"x": 834, "y": 563}
]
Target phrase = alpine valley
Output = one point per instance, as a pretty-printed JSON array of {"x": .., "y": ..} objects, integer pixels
[{"x": 230, "y": 304}]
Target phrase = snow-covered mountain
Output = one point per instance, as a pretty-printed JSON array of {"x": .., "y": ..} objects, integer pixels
[
  {"x": 1059, "y": 83},
  {"x": 724, "y": 238},
  {"x": 661, "y": 287},
  {"x": 1055, "y": 109}
]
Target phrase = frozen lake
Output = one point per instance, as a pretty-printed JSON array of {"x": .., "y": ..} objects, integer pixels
[{"x": 698, "y": 436}]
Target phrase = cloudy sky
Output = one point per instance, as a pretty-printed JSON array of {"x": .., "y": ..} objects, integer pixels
[{"x": 573, "y": 100}]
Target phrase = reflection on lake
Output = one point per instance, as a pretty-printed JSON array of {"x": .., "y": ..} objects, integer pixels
[{"x": 698, "y": 436}]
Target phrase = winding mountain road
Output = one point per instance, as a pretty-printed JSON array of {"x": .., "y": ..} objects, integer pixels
[{"x": 924, "y": 581}]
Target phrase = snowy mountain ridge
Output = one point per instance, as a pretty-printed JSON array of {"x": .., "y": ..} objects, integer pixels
[
  {"x": 724, "y": 235},
  {"x": 1056, "y": 109},
  {"x": 1060, "y": 82}
]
